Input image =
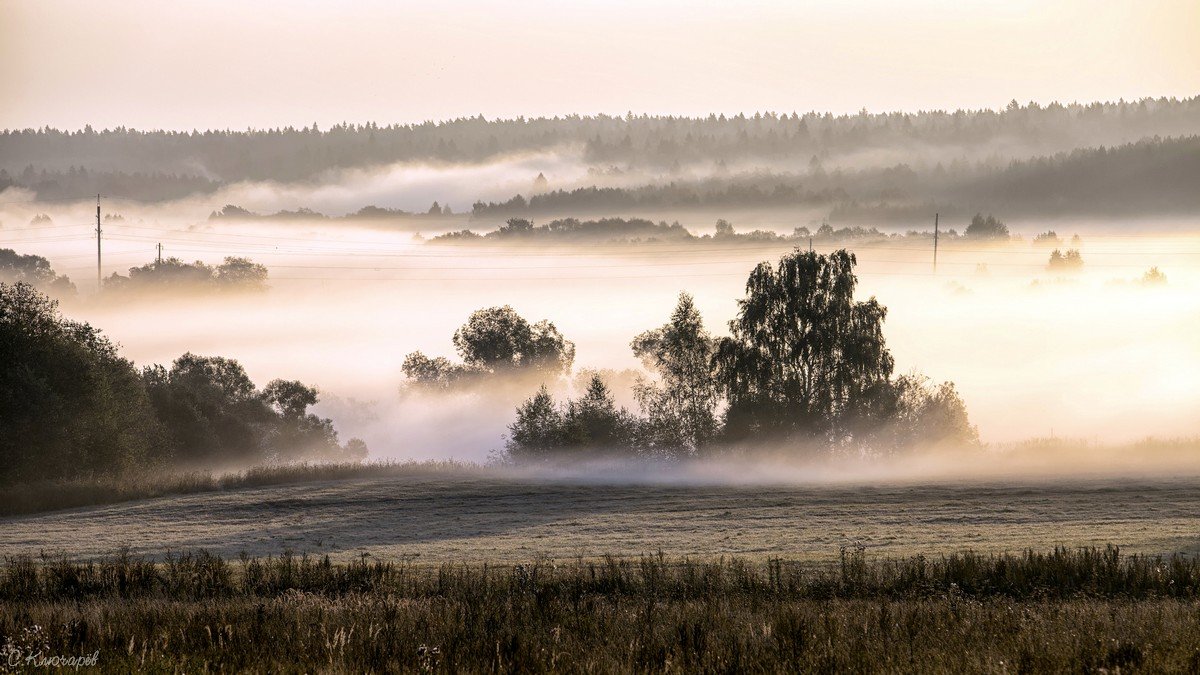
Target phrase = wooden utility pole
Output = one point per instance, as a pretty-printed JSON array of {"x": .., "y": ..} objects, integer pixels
[
  {"x": 98, "y": 232},
  {"x": 158, "y": 259},
  {"x": 935, "y": 238}
]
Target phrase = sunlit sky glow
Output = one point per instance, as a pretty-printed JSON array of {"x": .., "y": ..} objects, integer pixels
[{"x": 233, "y": 64}]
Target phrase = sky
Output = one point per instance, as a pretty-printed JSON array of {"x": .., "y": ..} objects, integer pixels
[{"x": 236, "y": 64}]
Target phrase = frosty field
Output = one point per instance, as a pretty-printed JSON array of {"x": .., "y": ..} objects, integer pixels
[{"x": 511, "y": 519}]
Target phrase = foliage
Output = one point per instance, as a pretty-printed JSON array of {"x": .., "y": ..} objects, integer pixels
[
  {"x": 1072, "y": 260},
  {"x": 216, "y": 416},
  {"x": 804, "y": 360},
  {"x": 1154, "y": 277},
  {"x": 33, "y": 270},
  {"x": 70, "y": 404},
  {"x": 680, "y": 406},
  {"x": 495, "y": 341},
  {"x": 588, "y": 426},
  {"x": 73, "y": 408},
  {"x": 986, "y": 228},
  {"x": 172, "y": 274},
  {"x": 806, "y": 364}
]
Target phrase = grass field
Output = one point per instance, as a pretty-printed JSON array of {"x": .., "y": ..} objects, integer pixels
[
  {"x": 479, "y": 516},
  {"x": 1087, "y": 611}
]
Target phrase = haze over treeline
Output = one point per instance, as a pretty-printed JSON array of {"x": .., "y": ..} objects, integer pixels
[{"x": 1105, "y": 157}]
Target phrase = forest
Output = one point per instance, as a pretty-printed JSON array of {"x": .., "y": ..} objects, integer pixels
[{"x": 1108, "y": 159}]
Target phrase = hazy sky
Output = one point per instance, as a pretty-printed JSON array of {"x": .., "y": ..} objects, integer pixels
[{"x": 237, "y": 63}]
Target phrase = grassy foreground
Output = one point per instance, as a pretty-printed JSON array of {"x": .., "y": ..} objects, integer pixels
[{"x": 1086, "y": 610}]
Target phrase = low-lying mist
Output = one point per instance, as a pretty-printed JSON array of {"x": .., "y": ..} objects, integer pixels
[{"x": 1096, "y": 354}]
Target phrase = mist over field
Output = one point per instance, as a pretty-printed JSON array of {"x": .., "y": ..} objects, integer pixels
[{"x": 1093, "y": 353}]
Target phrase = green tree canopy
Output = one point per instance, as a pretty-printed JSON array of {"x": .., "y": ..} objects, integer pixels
[{"x": 804, "y": 358}]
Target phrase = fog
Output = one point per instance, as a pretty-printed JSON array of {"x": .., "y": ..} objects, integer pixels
[{"x": 1094, "y": 355}]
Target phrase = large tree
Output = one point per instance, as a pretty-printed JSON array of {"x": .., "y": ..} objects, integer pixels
[
  {"x": 69, "y": 404},
  {"x": 805, "y": 359}
]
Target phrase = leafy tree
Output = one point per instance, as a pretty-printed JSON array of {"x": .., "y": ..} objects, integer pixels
[
  {"x": 438, "y": 373},
  {"x": 299, "y": 434},
  {"x": 537, "y": 431},
  {"x": 216, "y": 416},
  {"x": 986, "y": 228},
  {"x": 70, "y": 406},
  {"x": 804, "y": 358},
  {"x": 593, "y": 422},
  {"x": 33, "y": 270},
  {"x": 1071, "y": 261},
  {"x": 911, "y": 413},
  {"x": 681, "y": 406},
  {"x": 211, "y": 409},
  {"x": 497, "y": 339},
  {"x": 241, "y": 274},
  {"x": 173, "y": 274}
]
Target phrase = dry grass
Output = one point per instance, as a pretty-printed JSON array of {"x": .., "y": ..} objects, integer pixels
[
  {"x": 55, "y": 495},
  {"x": 1086, "y": 610}
]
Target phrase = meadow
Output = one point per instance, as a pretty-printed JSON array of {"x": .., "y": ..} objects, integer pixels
[{"x": 1066, "y": 610}]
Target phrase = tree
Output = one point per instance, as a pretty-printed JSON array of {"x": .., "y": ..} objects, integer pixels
[
  {"x": 681, "y": 406},
  {"x": 537, "y": 431},
  {"x": 724, "y": 229},
  {"x": 594, "y": 423},
  {"x": 1071, "y": 261},
  {"x": 242, "y": 274},
  {"x": 438, "y": 373},
  {"x": 498, "y": 339},
  {"x": 913, "y": 413},
  {"x": 804, "y": 359},
  {"x": 212, "y": 410},
  {"x": 1154, "y": 277},
  {"x": 70, "y": 406},
  {"x": 986, "y": 228},
  {"x": 589, "y": 425},
  {"x": 33, "y": 270},
  {"x": 299, "y": 434}
]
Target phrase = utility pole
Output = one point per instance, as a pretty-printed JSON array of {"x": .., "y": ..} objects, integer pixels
[
  {"x": 810, "y": 243},
  {"x": 158, "y": 260},
  {"x": 935, "y": 238},
  {"x": 98, "y": 232}
]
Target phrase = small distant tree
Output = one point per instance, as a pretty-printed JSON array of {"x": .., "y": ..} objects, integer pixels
[
  {"x": 724, "y": 228},
  {"x": 498, "y": 339},
  {"x": 434, "y": 210},
  {"x": 1154, "y": 277},
  {"x": 241, "y": 274},
  {"x": 987, "y": 228},
  {"x": 1049, "y": 238},
  {"x": 495, "y": 340},
  {"x": 33, "y": 270},
  {"x": 1072, "y": 260},
  {"x": 515, "y": 226}
]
